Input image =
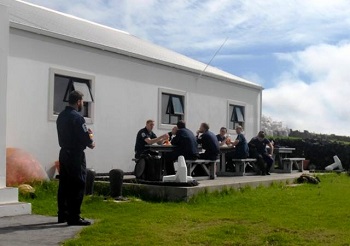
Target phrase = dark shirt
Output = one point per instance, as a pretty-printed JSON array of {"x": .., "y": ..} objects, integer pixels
[
  {"x": 140, "y": 140},
  {"x": 210, "y": 143},
  {"x": 260, "y": 146},
  {"x": 72, "y": 130},
  {"x": 220, "y": 138},
  {"x": 242, "y": 148},
  {"x": 185, "y": 143}
]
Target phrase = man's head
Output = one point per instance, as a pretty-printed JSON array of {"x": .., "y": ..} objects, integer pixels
[
  {"x": 174, "y": 130},
  {"x": 181, "y": 124},
  {"x": 239, "y": 129},
  {"x": 204, "y": 127},
  {"x": 149, "y": 125},
  {"x": 223, "y": 131},
  {"x": 261, "y": 135},
  {"x": 76, "y": 100}
]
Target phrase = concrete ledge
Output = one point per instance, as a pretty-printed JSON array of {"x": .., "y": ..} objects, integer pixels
[
  {"x": 13, "y": 209},
  {"x": 174, "y": 193}
]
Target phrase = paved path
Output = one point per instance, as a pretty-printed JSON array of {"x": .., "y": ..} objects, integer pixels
[{"x": 34, "y": 230}]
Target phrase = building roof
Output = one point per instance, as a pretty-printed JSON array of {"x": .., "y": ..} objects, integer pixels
[{"x": 44, "y": 21}]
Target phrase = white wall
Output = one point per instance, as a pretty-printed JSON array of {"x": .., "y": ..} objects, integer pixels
[
  {"x": 126, "y": 96},
  {"x": 4, "y": 46}
]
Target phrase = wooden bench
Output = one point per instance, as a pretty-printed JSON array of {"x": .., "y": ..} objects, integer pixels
[
  {"x": 289, "y": 162},
  {"x": 241, "y": 164},
  {"x": 209, "y": 166}
]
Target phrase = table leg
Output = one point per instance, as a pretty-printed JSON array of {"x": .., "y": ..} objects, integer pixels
[{"x": 223, "y": 162}]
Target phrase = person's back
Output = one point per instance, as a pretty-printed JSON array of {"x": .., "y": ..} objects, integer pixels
[
  {"x": 242, "y": 149},
  {"x": 210, "y": 144},
  {"x": 185, "y": 143},
  {"x": 70, "y": 136}
]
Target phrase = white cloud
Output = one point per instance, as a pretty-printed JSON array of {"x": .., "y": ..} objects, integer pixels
[
  {"x": 320, "y": 104},
  {"x": 203, "y": 24}
]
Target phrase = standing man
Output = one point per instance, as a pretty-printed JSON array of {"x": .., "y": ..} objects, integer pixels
[
  {"x": 257, "y": 147},
  {"x": 185, "y": 144},
  {"x": 209, "y": 143},
  {"x": 73, "y": 138},
  {"x": 147, "y": 136}
]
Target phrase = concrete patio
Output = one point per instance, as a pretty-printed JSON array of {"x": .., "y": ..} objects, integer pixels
[{"x": 176, "y": 193}]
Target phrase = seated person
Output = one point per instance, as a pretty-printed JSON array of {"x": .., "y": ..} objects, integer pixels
[
  {"x": 241, "y": 148},
  {"x": 172, "y": 134},
  {"x": 146, "y": 136},
  {"x": 221, "y": 137},
  {"x": 185, "y": 144},
  {"x": 257, "y": 147},
  {"x": 209, "y": 143}
]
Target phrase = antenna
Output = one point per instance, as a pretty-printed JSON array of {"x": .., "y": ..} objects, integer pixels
[{"x": 200, "y": 75}]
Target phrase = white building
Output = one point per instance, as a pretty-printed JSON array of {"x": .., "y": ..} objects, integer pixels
[{"x": 126, "y": 81}]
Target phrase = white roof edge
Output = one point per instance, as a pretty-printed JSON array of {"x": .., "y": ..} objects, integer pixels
[
  {"x": 72, "y": 16},
  {"x": 44, "y": 32}
]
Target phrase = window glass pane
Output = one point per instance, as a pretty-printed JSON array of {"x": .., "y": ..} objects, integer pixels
[
  {"x": 60, "y": 86},
  {"x": 233, "y": 115},
  {"x": 165, "y": 116},
  {"x": 239, "y": 114},
  {"x": 177, "y": 105},
  {"x": 83, "y": 88},
  {"x": 174, "y": 119}
]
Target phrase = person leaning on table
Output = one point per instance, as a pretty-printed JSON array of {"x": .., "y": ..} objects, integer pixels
[
  {"x": 258, "y": 150},
  {"x": 241, "y": 147},
  {"x": 185, "y": 144},
  {"x": 221, "y": 137},
  {"x": 146, "y": 136},
  {"x": 209, "y": 143}
]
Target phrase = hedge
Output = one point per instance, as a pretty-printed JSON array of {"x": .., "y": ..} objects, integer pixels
[{"x": 319, "y": 152}]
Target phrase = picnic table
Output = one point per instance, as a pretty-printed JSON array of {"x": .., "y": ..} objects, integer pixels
[
  {"x": 169, "y": 148},
  {"x": 279, "y": 154}
]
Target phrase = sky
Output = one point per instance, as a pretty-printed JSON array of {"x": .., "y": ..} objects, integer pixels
[{"x": 298, "y": 50}]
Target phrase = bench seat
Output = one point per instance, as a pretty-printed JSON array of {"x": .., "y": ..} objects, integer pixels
[
  {"x": 289, "y": 162},
  {"x": 241, "y": 164},
  {"x": 209, "y": 166}
]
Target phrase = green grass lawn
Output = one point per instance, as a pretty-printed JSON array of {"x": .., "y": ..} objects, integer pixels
[{"x": 277, "y": 215}]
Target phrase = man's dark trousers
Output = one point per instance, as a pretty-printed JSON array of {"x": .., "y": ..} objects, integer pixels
[{"x": 72, "y": 182}]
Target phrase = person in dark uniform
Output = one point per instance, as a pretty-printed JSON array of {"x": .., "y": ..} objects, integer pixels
[
  {"x": 185, "y": 144},
  {"x": 209, "y": 143},
  {"x": 73, "y": 138},
  {"x": 147, "y": 136},
  {"x": 257, "y": 147},
  {"x": 172, "y": 134},
  {"x": 221, "y": 137}
]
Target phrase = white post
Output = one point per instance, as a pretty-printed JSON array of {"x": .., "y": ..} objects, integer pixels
[
  {"x": 4, "y": 50},
  {"x": 9, "y": 205}
]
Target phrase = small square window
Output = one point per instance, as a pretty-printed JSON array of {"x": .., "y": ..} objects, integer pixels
[
  {"x": 236, "y": 114},
  {"x": 172, "y": 107},
  {"x": 62, "y": 83}
]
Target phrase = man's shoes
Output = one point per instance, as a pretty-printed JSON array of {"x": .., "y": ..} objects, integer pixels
[
  {"x": 79, "y": 222},
  {"x": 61, "y": 219}
]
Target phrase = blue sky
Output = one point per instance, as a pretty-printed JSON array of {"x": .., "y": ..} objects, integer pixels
[{"x": 298, "y": 50}]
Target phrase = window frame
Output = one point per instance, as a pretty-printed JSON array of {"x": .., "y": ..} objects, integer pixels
[
  {"x": 69, "y": 73},
  {"x": 170, "y": 92},
  {"x": 229, "y": 114}
]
